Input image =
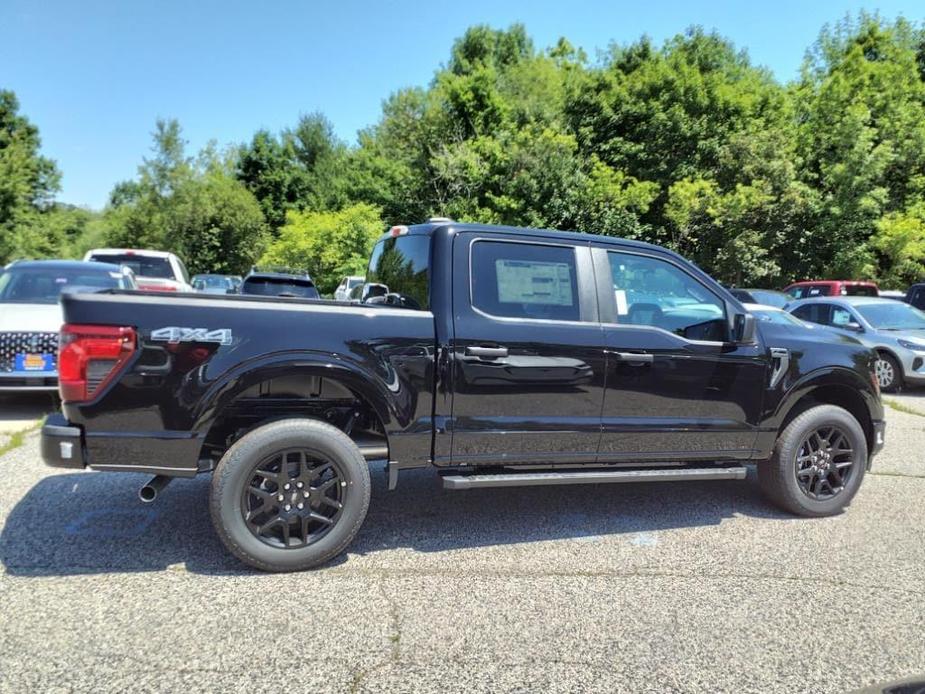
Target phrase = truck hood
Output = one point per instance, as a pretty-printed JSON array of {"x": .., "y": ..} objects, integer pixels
[{"x": 30, "y": 318}]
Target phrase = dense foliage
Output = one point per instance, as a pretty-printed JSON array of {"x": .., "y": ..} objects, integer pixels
[{"x": 687, "y": 144}]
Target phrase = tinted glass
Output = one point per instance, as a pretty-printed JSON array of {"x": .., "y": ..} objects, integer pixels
[
  {"x": 653, "y": 292},
  {"x": 41, "y": 286},
  {"x": 859, "y": 290},
  {"x": 403, "y": 265},
  {"x": 892, "y": 316},
  {"x": 283, "y": 287},
  {"x": 814, "y": 313},
  {"x": 520, "y": 280},
  {"x": 744, "y": 296},
  {"x": 141, "y": 266}
]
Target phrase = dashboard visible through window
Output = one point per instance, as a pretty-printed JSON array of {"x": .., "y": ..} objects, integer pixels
[{"x": 653, "y": 292}]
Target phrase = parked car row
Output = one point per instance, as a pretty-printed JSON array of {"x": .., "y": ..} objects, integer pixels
[{"x": 889, "y": 322}]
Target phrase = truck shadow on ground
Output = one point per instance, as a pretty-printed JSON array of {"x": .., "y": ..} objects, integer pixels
[{"x": 93, "y": 522}]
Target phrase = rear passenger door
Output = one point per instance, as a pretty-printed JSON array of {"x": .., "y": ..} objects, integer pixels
[{"x": 527, "y": 355}]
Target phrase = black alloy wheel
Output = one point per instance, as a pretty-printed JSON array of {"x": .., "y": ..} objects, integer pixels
[
  {"x": 293, "y": 499},
  {"x": 824, "y": 463}
]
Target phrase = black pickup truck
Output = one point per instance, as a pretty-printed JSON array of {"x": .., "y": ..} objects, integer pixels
[{"x": 498, "y": 356}]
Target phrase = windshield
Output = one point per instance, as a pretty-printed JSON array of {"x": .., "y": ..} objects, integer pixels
[
  {"x": 892, "y": 316},
  {"x": 44, "y": 286},
  {"x": 403, "y": 265},
  {"x": 142, "y": 266},
  {"x": 279, "y": 286},
  {"x": 778, "y": 317},
  {"x": 769, "y": 298}
]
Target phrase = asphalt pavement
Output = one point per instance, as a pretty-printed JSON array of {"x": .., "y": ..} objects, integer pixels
[{"x": 652, "y": 587}]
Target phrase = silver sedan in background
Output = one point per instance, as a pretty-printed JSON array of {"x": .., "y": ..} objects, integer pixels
[{"x": 893, "y": 328}]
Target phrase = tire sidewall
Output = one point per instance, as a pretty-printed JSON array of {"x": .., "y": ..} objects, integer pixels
[
  {"x": 236, "y": 470},
  {"x": 797, "y": 430}
]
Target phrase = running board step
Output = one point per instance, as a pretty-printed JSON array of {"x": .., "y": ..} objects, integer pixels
[{"x": 530, "y": 479}]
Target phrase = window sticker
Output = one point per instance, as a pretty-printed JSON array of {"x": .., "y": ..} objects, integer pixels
[
  {"x": 534, "y": 282},
  {"x": 622, "y": 307}
]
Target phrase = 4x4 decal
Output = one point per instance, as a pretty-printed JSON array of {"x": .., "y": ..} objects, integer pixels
[{"x": 174, "y": 335}]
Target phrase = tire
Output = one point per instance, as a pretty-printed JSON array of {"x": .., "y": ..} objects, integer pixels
[
  {"x": 889, "y": 373},
  {"x": 784, "y": 476},
  {"x": 232, "y": 494}
]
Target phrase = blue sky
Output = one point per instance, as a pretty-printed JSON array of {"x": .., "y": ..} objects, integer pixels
[{"x": 95, "y": 75}]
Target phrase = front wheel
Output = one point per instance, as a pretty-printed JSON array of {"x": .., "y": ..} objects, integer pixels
[
  {"x": 290, "y": 495},
  {"x": 889, "y": 373},
  {"x": 818, "y": 463}
]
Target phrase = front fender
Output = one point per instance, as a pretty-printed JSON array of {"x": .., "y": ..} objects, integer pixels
[{"x": 828, "y": 377}]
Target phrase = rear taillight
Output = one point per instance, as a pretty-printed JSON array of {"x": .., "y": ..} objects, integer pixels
[
  {"x": 156, "y": 288},
  {"x": 89, "y": 357}
]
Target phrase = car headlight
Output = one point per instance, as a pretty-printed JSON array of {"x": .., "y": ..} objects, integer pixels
[{"x": 917, "y": 346}]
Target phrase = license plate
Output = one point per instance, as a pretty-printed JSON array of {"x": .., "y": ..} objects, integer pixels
[{"x": 35, "y": 362}]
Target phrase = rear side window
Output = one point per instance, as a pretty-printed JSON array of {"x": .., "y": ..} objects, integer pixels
[
  {"x": 859, "y": 290},
  {"x": 814, "y": 313},
  {"x": 402, "y": 265},
  {"x": 522, "y": 280}
]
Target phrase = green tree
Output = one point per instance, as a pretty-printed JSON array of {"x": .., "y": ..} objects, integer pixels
[
  {"x": 328, "y": 245},
  {"x": 28, "y": 181},
  {"x": 860, "y": 105},
  {"x": 193, "y": 207},
  {"x": 303, "y": 168}
]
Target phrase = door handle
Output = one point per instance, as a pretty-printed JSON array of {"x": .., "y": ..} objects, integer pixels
[
  {"x": 486, "y": 352},
  {"x": 635, "y": 357}
]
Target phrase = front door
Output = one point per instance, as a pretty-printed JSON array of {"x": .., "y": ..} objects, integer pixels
[
  {"x": 527, "y": 357},
  {"x": 677, "y": 388}
]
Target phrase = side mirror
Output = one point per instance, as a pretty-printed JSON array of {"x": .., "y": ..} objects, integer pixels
[
  {"x": 743, "y": 332},
  {"x": 854, "y": 327}
]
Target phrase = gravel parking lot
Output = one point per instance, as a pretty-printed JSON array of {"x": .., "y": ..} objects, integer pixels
[{"x": 672, "y": 587}]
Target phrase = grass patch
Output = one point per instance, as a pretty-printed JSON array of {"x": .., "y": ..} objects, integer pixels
[
  {"x": 17, "y": 438},
  {"x": 901, "y": 407}
]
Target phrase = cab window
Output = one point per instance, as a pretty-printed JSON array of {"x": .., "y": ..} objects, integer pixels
[
  {"x": 523, "y": 280},
  {"x": 650, "y": 291},
  {"x": 400, "y": 266}
]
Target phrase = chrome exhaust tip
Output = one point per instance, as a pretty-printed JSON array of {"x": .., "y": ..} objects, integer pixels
[{"x": 148, "y": 492}]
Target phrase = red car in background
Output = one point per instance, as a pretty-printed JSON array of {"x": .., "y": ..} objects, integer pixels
[{"x": 807, "y": 289}]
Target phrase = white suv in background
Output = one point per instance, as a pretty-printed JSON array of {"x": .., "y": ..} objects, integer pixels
[
  {"x": 342, "y": 293},
  {"x": 154, "y": 270}
]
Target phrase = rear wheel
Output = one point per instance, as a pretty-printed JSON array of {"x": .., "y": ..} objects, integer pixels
[
  {"x": 290, "y": 495},
  {"x": 818, "y": 463}
]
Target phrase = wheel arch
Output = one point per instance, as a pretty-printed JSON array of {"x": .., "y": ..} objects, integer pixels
[
  {"x": 217, "y": 402},
  {"x": 840, "y": 387}
]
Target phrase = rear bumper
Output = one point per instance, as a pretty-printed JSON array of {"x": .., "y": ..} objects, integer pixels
[{"x": 62, "y": 443}]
